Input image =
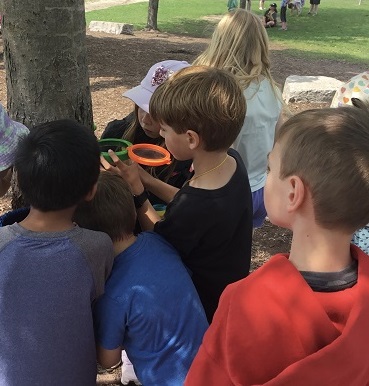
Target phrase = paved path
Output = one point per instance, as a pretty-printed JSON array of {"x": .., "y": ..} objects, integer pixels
[{"x": 102, "y": 4}]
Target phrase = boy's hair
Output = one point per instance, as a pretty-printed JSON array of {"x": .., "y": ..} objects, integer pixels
[
  {"x": 206, "y": 100},
  {"x": 239, "y": 45},
  {"x": 329, "y": 150},
  {"x": 57, "y": 164},
  {"x": 112, "y": 209}
]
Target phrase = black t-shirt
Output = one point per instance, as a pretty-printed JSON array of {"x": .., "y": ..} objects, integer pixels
[
  {"x": 212, "y": 231},
  {"x": 178, "y": 176}
]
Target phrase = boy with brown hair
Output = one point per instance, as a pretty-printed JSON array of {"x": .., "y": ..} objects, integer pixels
[
  {"x": 297, "y": 319},
  {"x": 209, "y": 220},
  {"x": 150, "y": 307}
]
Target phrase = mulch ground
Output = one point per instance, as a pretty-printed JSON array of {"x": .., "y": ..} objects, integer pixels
[{"x": 117, "y": 63}]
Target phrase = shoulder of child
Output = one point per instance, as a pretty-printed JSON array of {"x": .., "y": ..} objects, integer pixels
[
  {"x": 117, "y": 127},
  {"x": 98, "y": 250}
]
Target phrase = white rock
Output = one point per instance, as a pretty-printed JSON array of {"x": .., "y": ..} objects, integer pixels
[
  {"x": 310, "y": 88},
  {"x": 111, "y": 28}
]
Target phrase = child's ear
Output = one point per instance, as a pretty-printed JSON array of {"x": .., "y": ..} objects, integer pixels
[
  {"x": 193, "y": 139},
  {"x": 296, "y": 193},
  {"x": 91, "y": 194}
]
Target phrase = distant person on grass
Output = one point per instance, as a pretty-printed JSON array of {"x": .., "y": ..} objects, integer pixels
[
  {"x": 270, "y": 16},
  {"x": 209, "y": 220},
  {"x": 314, "y": 5},
  {"x": 284, "y": 5},
  {"x": 302, "y": 319},
  {"x": 150, "y": 306},
  {"x": 52, "y": 270}
]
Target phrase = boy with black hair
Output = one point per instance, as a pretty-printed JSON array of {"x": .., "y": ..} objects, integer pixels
[
  {"x": 150, "y": 307},
  {"x": 302, "y": 318},
  {"x": 209, "y": 220},
  {"x": 52, "y": 270}
]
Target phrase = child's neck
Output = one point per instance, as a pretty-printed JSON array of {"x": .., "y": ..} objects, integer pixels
[
  {"x": 316, "y": 249},
  {"x": 121, "y": 245},
  {"x": 212, "y": 169},
  {"x": 52, "y": 221}
]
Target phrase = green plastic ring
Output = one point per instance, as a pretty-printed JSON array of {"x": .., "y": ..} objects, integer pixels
[{"x": 118, "y": 145}]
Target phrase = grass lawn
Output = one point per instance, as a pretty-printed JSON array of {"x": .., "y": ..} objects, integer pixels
[{"x": 339, "y": 31}]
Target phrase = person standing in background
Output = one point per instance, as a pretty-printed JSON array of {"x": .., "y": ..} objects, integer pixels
[
  {"x": 240, "y": 45},
  {"x": 314, "y": 4},
  {"x": 284, "y": 5}
]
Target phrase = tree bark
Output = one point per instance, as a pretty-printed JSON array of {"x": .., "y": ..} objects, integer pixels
[
  {"x": 152, "y": 16},
  {"x": 46, "y": 64},
  {"x": 45, "y": 61},
  {"x": 243, "y": 4}
]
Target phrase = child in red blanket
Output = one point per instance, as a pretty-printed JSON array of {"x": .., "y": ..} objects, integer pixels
[{"x": 302, "y": 318}]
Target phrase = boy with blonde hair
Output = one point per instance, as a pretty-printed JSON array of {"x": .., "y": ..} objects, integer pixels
[
  {"x": 209, "y": 220},
  {"x": 297, "y": 319}
]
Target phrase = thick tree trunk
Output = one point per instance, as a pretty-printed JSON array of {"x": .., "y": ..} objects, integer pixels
[
  {"x": 45, "y": 61},
  {"x": 243, "y": 4},
  {"x": 152, "y": 16}
]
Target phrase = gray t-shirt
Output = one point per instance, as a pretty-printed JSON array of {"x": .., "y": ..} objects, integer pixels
[{"x": 48, "y": 281}]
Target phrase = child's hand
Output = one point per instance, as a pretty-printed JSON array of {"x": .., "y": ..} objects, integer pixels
[{"x": 129, "y": 172}]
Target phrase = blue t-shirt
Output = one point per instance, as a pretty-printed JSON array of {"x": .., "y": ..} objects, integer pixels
[
  {"x": 48, "y": 281},
  {"x": 152, "y": 310}
]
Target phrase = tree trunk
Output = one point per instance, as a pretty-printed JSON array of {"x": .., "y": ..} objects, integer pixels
[
  {"x": 45, "y": 61},
  {"x": 152, "y": 16}
]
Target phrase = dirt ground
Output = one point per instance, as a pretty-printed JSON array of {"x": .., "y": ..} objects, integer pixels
[{"x": 117, "y": 63}]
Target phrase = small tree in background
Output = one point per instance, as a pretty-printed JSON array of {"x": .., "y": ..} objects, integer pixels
[{"x": 152, "y": 16}]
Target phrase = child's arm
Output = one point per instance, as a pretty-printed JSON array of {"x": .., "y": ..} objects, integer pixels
[
  {"x": 147, "y": 215},
  {"x": 108, "y": 358},
  {"x": 5, "y": 179},
  {"x": 161, "y": 189}
]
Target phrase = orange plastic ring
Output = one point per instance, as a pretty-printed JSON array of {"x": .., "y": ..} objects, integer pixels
[{"x": 165, "y": 160}]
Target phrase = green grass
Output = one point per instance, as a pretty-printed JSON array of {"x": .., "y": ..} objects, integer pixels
[
  {"x": 183, "y": 17},
  {"x": 340, "y": 30}
]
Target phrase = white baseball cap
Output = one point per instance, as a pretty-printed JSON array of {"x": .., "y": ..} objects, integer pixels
[
  {"x": 157, "y": 74},
  {"x": 10, "y": 134}
]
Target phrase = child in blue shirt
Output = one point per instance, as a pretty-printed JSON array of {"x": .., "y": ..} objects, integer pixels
[{"x": 150, "y": 307}]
